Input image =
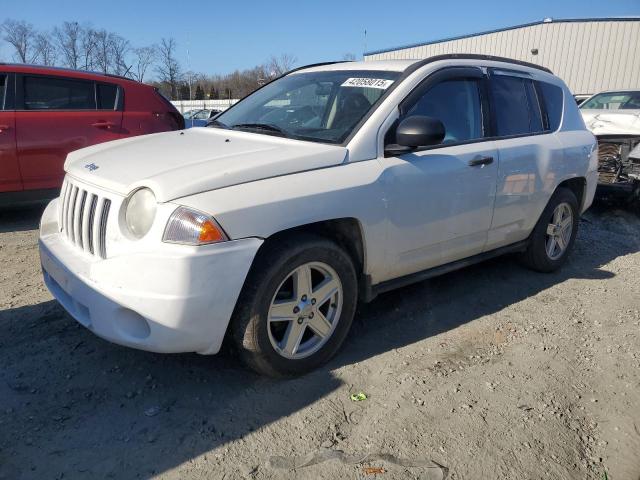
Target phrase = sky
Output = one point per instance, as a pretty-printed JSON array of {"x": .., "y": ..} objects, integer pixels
[{"x": 219, "y": 37}]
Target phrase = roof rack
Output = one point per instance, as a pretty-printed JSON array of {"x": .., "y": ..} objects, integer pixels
[
  {"x": 311, "y": 65},
  {"x": 474, "y": 56}
]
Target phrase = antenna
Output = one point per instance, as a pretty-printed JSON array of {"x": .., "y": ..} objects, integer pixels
[
  {"x": 189, "y": 68},
  {"x": 365, "y": 43}
]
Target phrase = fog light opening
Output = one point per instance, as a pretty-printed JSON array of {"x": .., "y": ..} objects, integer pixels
[{"x": 133, "y": 324}]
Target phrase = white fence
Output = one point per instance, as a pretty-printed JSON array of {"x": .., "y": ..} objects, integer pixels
[{"x": 186, "y": 105}]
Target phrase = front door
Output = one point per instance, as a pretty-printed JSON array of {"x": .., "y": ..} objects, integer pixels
[
  {"x": 9, "y": 170},
  {"x": 441, "y": 199},
  {"x": 58, "y": 115}
]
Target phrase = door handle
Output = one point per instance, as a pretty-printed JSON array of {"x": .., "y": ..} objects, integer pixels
[
  {"x": 102, "y": 124},
  {"x": 480, "y": 161},
  {"x": 4, "y": 127}
]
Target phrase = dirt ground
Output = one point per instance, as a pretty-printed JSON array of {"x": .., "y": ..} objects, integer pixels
[{"x": 491, "y": 372}]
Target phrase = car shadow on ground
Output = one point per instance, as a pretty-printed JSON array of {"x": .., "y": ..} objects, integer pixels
[
  {"x": 76, "y": 405},
  {"x": 18, "y": 219}
]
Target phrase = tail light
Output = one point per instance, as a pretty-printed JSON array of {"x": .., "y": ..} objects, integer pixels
[
  {"x": 172, "y": 115},
  {"x": 177, "y": 118},
  {"x": 174, "y": 119}
]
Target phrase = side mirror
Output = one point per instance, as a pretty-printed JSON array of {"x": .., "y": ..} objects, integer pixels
[{"x": 416, "y": 131}]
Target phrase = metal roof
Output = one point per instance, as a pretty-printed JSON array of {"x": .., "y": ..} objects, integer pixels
[{"x": 504, "y": 29}]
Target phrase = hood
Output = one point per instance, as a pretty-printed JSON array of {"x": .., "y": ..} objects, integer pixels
[
  {"x": 612, "y": 122},
  {"x": 178, "y": 164}
]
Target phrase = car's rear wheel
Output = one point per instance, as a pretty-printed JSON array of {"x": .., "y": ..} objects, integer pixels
[
  {"x": 553, "y": 236},
  {"x": 296, "y": 307}
]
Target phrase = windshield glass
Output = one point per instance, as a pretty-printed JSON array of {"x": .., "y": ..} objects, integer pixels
[
  {"x": 201, "y": 115},
  {"x": 190, "y": 114},
  {"x": 317, "y": 106},
  {"x": 613, "y": 101}
]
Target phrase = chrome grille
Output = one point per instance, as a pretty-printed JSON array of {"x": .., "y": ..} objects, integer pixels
[{"x": 83, "y": 218}]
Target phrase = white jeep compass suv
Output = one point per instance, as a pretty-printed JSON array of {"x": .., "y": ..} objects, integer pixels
[{"x": 326, "y": 186}]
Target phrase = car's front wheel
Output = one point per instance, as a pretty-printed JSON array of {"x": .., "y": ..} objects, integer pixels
[{"x": 296, "y": 307}]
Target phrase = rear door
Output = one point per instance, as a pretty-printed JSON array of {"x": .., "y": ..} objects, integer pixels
[
  {"x": 530, "y": 156},
  {"x": 56, "y": 115},
  {"x": 9, "y": 170}
]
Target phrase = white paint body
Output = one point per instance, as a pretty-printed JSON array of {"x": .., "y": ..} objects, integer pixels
[{"x": 415, "y": 211}]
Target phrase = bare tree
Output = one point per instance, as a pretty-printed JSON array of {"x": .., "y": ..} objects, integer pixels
[
  {"x": 47, "y": 51},
  {"x": 21, "y": 35},
  {"x": 68, "y": 38},
  {"x": 168, "y": 68},
  {"x": 102, "y": 50},
  {"x": 143, "y": 58},
  {"x": 88, "y": 48},
  {"x": 110, "y": 52},
  {"x": 277, "y": 66},
  {"x": 119, "y": 48}
]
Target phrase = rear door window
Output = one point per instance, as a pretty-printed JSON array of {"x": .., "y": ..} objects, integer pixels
[
  {"x": 515, "y": 106},
  {"x": 107, "y": 96},
  {"x": 49, "y": 93}
]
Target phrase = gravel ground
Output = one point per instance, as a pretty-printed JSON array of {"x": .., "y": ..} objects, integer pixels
[{"x": 492, "y": 372}]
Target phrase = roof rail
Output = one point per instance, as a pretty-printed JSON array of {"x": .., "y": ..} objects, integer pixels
[
  {"x": 311, "y": 65},
  {"x": 474, "y": 56},
  {"x": 66, "y": 69}
]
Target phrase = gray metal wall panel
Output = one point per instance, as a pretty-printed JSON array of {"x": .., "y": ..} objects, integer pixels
[{"x": 589, "y": 56}]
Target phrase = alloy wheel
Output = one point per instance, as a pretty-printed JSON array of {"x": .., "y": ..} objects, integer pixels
[
  {"x": 305, "y": 310},
  {"x": 559, "y": 231}
]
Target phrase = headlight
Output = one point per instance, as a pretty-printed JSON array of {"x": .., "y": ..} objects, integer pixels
[
  {"x": 191, "y": 227},
  {"x": 140, "y": 212}
]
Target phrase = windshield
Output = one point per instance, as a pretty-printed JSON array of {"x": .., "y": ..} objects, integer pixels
[
  {"x": 201, "y": 115},
  {"x": 613, "y": 101},
  {"x": 190, "y": 114},
  {"x": 319, "y": 106}
]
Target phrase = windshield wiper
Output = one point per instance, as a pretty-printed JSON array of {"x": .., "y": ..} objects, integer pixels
[
  {"x": 218, "y": 124},
  {"x": 262, "y": 126}
]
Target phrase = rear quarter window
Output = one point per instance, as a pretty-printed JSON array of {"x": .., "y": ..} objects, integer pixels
[{"x": 553, "y": 98}]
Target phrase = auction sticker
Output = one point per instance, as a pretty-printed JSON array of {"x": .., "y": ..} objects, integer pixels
[{"x": 380, "y": 83}]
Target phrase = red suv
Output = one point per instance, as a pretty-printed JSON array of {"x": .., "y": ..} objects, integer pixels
[{"x": 45, "y": 113}]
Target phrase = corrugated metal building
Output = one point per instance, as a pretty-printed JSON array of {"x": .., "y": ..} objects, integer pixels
[{"x": 590, "y": 55}]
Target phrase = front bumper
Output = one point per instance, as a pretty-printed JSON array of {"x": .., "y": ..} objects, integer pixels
[{"x": 174, "y": 299}]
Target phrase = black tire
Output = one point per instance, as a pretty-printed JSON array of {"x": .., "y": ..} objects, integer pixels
[
  {"x": 536, "y": 256},
  {"x": 275, "y": 261}
]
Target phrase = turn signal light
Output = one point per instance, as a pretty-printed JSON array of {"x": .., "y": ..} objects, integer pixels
[
  {"x": 191, "y": 227},
  {"x": 209, "y": 233}
]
